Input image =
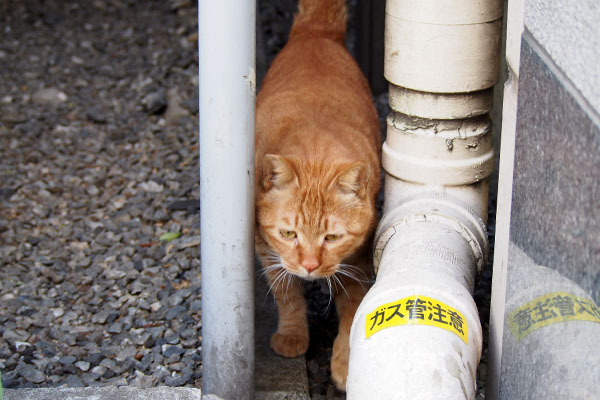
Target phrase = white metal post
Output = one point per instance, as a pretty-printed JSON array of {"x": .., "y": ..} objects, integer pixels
[{"x": 226, "y": 32}]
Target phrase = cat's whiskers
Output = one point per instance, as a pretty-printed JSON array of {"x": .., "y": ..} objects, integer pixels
[
  {"x": 276, "y": 280},
  {"x": 353, "y": 272},
  {"x": 272, "y": 267},
  {"x": 289, "y": 278},
  {"x": 338, "y": 280},
  {"x": 330, "y": 293},
  {"x": 282, "y": 278}
]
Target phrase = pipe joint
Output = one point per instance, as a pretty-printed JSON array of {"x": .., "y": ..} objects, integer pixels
[
  {"x": 438, "y": 152},
  {"x": 439, "y": 208},
  {"x": 436, "y": 106},
  {"x": 404, "y": 341}
]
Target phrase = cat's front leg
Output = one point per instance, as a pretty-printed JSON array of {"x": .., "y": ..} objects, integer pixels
[
  {"x": 346, "y": 303},
  {"x": 291, "y": 338}
]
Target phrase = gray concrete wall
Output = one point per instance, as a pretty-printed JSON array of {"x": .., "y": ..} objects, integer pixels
[
  {"x": 549, "y": 178},
  {"x": 569, "y": 33},
  {"x": 556, "y": 192}
]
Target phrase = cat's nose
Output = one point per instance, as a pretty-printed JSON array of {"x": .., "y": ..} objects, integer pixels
[{"x": 310, "y": 264}]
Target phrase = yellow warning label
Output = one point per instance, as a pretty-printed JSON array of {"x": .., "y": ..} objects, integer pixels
[
  {"x": 417, "y": 310},
  {"x": 549, "y": 309}
]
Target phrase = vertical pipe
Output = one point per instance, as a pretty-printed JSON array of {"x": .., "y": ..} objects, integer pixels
[
  {"x": 226, "y": 31},
  {"x": 417, "y": 334},
  {"x": 514, "y": 30}
]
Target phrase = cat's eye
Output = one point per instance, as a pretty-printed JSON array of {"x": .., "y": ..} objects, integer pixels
[
  {"x": 287, "y": 234},
  {"x": 331, "y": 237}
]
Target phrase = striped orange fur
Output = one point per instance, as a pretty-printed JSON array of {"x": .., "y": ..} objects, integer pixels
[{"x": 317, "y": 176}]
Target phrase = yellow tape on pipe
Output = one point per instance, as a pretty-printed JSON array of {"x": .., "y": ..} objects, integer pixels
[
  {"x": 549, "y": 309},
  {"x": 417, "y": 310}
]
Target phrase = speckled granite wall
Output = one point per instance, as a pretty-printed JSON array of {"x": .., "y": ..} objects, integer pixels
[{"x": 556, "y": 194}]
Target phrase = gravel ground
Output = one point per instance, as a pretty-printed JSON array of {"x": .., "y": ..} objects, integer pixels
[{"x": 98, "y": 160}]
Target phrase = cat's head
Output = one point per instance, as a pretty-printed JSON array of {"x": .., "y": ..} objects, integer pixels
[{"x": 313, "y": 215}]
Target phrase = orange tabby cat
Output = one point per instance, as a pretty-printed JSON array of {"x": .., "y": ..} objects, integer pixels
[{"x": 317, "y": 177}]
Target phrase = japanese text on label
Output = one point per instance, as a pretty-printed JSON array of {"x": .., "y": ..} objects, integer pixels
[
  {"x": 417, "y": 310},
  {"x": 550, "y": 309}
]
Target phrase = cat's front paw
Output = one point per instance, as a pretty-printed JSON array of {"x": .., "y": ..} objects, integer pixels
[
  {"x": 339, "y": 361},
  {"x": 289, "y": 345}
]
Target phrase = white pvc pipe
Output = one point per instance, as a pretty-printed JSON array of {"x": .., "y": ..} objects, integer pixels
[
  {"x": 428, "y": 251},
  {"x": 417, "y": 333},
  {"x": 443, "y": 46},
  {"x": 226, "y": 31}
]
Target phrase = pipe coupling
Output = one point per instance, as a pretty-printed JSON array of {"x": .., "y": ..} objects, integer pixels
[
  {"x": 437, "y": 207},
  {"x": 438, "y": 152}
]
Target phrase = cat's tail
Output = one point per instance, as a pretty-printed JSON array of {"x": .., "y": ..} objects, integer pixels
[{"x": 321, "y": 18}]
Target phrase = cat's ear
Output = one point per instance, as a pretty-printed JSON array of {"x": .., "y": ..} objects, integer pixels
[
  {"x": 276, "y": 172},
  {"x": 354, "y": 179}
]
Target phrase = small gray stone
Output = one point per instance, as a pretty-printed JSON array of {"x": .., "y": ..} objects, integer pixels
[
  {"x": 141, "y": 338},
  {"x": 93, "y": 190},
  {"x": 12, "y": 336},
  {"x": 58, "y": 312},
  {"x": 143, "y": 304},
  {"x": 160, "y": 372},
  {"x": 115, "y": 327},
  {"x": 108, "y": 363},
  {"x": 136, "y": 287},
  {"x": 69, "y": 316},
  {"x": 174, "y": 110},
  {"x": 31, "y": 374},
  {"x": 49, "y": 97},
  {"x": 176, "y": 380},
  {"x": 169, "y": 351},
  {"x": 190, "y": 343},
  {"x": 96, "y": 115},
  {"x": 175, "y": 300},
  {"x": 84, "y": 262},
  {"x": 196, "y": 306},
  {"x": 146, "y": 361},
  {"x": 172, "y": 339},
  {"x": 94, "y": 358},
  {"x": 142, "y": 381},
  {"x": 83, "y": 365},
  {"x": 155, "y": 102},
  {"x": 114, "y": 274},
  {"x": 117, "y": 381},
  {"x": 175, "y": 311},
  {"x": 74, "y": 381},
  {"x": 67, "y": 360},
  {"x": 98, "y": 371},
  {"x": 100, "y": 317},
  {"x": 151, "y": 186},
  {"x": 192, "y": 241},
  {"x": 155, "y": 306},
  {"x": 128, "y": 351}
]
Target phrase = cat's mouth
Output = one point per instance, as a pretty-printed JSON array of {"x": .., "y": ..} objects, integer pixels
[{"x": 312, "y": 275}]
